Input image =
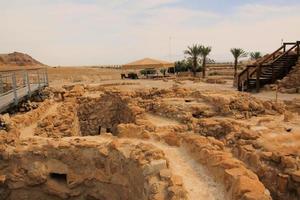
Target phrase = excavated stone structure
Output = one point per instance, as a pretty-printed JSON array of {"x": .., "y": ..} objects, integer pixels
[
  {"x": 79, "y": 169},
  {"x": 215, "y": 115},
  {"x": 104, "y": 114},
  {"x": 78, "y": 158}
]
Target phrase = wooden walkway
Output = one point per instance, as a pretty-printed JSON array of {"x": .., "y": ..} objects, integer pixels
[{"x": 24, "y": 84}]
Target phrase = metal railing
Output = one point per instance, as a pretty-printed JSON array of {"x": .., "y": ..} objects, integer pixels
[{"x": 14, "y": 81}]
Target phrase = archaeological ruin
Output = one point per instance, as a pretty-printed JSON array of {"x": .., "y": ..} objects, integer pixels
[{"x": 103, "y": 143}]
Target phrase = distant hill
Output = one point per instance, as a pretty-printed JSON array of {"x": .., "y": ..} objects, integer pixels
[{"x": 18, "y": 59}]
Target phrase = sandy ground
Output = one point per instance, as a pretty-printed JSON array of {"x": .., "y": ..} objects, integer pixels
[
  {"x": 196, "y": 179},
  {"x": 71, "y": 75},
  {"x": 87, "y": 75},
  {"x": 161, "y": 121}
]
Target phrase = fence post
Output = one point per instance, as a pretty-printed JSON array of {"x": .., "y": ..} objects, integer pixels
[
  {"x": 1, "y": 85},
  {"x": 298, "y": 48},
  {"x": 46, "y": 75},
  {"x": 273, "y": 73},
  {"x": 14, "y": 82},
  {"x": 248, "y": 78},
  {"x": 39, "y": 81},
  {"x": 24, "y": 78},
  {"x": 28, "y": 84}
]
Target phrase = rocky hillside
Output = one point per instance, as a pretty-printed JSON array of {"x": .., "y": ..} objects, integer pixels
[{"x": 18, "y": 59}]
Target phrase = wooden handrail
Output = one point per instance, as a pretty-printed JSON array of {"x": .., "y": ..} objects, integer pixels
[
  {"x": 268, "y": 60},
  {"x": 269, "y": 56},
  {"x": 286, "y": 52}
]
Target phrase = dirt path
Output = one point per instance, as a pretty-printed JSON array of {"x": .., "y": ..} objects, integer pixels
[
  {"x": 160, "y": 121},
  {"x": 196, "y": 179},
  {"x": 197, "y": 182},
  {"x": 29, "y": 130}
]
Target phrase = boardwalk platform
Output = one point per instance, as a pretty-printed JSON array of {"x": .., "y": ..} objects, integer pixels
[{"x": 16, "y": 86}]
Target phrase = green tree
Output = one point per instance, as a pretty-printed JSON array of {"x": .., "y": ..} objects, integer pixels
[
  {"x": 204, "y": 52},
  {"x": 193, "y": 52},
  {"x": 163, "y": 71},
  {"x": 255, "y": 55},
  {"x": 180, "y": 66},
  {"x": 237, "y": 54}
]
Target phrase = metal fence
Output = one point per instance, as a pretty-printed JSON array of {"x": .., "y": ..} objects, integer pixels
[{"x": 18, "y": 81}]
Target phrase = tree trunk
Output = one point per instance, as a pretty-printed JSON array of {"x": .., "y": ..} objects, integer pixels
[
  {"x": 203, "y": 67},
  {"x": 235, "y": 72},
  {"x": 235, "y": 67},
  {"x": 194, "y": 67}
]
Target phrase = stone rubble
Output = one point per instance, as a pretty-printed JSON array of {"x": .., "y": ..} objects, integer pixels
[
  {"x": 291, "y": 82},
  {"x": 211, "y": 126}
]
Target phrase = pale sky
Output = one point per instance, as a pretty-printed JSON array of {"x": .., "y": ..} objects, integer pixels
[{"x": 95, "y": 32}]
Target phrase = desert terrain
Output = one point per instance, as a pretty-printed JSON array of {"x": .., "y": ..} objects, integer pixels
[{"x": 96, "y": 136}]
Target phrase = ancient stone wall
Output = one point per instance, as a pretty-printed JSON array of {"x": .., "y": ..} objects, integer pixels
[
  {"x": 86, "y": 170},
  {"x": 30, "y": 117},
  {"x": 239, "y": 182},
  {"x": 62, "y": 123},
  {"x": 104, "y": 113},
  {"x": 278, "y": 171}
]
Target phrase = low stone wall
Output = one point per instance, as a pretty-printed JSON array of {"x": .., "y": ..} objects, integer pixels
[
  {"x": 80, "y": 169},
  {"x": 279, "y": 172},
  {"x": 16, "y": 122},
  {"x": 106, "y": 112},
  {"x": 63, "y": 123},
  {"x": 240, "y": 183},
  {"x": 22, "y": 120}
]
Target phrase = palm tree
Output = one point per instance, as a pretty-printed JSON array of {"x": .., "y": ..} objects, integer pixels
[
  {"x": 204, "y": 52},
  {"x": 193, "y": 52},
  {"x": 255, "y": 55},
  {"x": 237, "y": 54}
]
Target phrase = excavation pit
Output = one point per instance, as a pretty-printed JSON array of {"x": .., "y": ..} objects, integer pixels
[{"x": 103, "y": 115}]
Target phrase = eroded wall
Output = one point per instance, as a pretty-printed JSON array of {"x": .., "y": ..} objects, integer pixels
[
  {"x": 104, "y": 114},
  {"x": 85, "y": 170}
]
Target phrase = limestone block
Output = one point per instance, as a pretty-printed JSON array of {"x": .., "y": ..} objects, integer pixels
[{"x": 154, "y": 167}]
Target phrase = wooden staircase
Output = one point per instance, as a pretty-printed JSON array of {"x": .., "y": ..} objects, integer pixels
[{"x": 270, "y": 69}]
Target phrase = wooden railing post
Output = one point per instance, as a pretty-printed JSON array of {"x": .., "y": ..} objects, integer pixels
[
  {"x": 273, "y": 73},
  {"x": 284, "y": 47},
  {"x": 298, "y": 48},
  {"x": 14, "y": 84},
  {"x": 258, "y": 69},
  {"x": 248, "y": 78}
]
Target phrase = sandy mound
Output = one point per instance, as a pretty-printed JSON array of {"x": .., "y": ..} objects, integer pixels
[{"x": 15, "y": 59}]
